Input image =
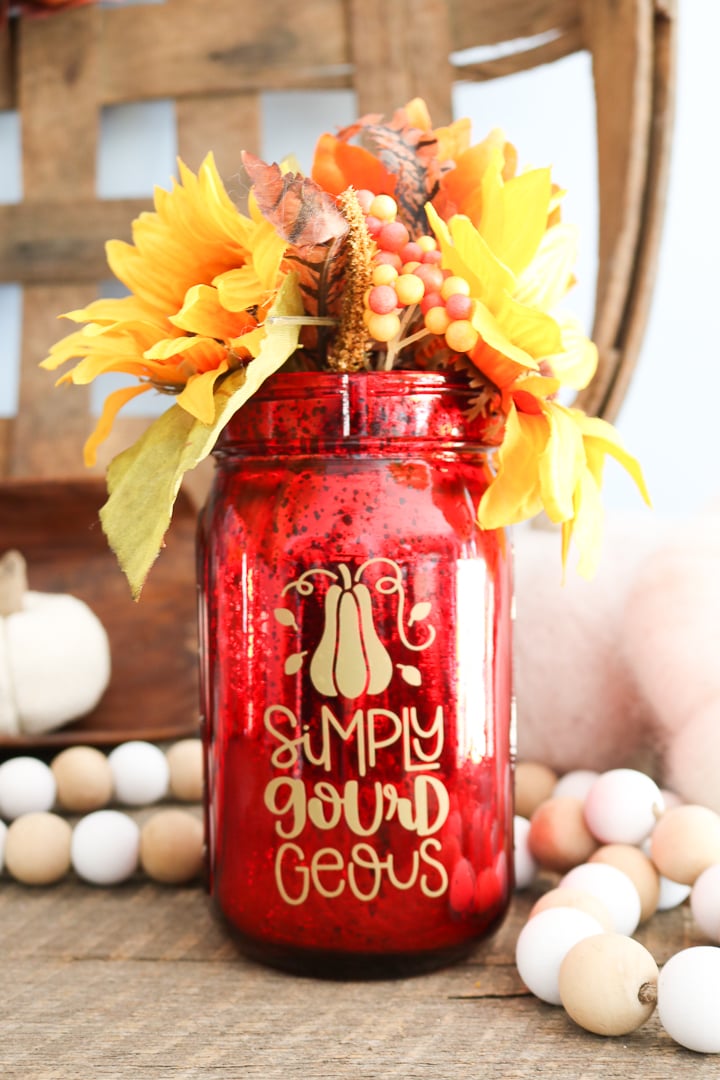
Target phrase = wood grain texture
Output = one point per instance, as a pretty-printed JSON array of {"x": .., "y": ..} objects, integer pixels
[
  {"x": 7, "y": 74},
  {"x": 176, "y": 50},
  {"x": 140, "y": 981},
  {"x": 487, "y": 22},
  {"x": 225, "y": 124},
  {"x": 58, "y": 73},
  {"x": 391, "y": 66},
  {"x": 63, "y": 239},
  {"x": 635, "y": 106}
]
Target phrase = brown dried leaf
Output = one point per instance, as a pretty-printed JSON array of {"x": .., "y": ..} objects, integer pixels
[{"x": 298, "y": 208}]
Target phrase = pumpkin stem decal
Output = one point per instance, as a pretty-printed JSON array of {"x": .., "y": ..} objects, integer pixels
[{"x": 350, "y": 659}]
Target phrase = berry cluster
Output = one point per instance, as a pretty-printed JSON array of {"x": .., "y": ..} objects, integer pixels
[{"x": 408, "y": 285}]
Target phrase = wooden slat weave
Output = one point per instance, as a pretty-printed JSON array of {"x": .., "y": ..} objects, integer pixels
[{"x": 62, "y": 70}]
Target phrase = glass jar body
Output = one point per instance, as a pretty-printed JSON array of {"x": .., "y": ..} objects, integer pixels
[{"x": 355, "y": 641}]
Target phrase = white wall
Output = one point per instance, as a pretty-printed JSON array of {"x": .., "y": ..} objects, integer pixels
[{"x": 669, "y": 416}]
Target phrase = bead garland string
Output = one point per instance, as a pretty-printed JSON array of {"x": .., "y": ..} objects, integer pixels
[
  {"x": 623, "y": 849},
  {"x": 104, "y": 845}
]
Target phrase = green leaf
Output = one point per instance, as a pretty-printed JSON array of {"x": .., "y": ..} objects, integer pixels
[{"x": 143, "y": 481}]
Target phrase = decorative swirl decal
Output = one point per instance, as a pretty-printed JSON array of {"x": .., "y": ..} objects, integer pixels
[{"x": 350, "y": 659}]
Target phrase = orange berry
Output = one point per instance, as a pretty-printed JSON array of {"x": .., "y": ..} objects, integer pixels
[
  {"x": 437, "y": 320},
  {"x": 384, "y": 274},
  {"x": 383, "y": 327},
  {"x": 409, "y": 289},
  {"x": 384, "y": 207},
  {"x": 461, "y": 335},
  {"x": 452, "y": 285}
]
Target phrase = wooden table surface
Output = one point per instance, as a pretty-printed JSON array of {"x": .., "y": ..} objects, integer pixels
[{"x": 140, "y": 981}]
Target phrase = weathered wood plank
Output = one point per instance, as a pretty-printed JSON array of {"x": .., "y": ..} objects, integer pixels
[
  {"x": 391, "y": 66},
  {"x": 63, "y": 240},
  {"x": 280, "y": 45},
  {"x": 51, "y": 426},
  {"x": 637, "y": 307},
  {"x": 7, "y": 74},
  {"x": 564, "y": 44},
  {"x": 487, "y": 22},
  {"x": 162, "y": 994},
  {"x": 225, "y": 124},
  {"x": 58, "y": 74},
  {"x": 620, "y": 37}
]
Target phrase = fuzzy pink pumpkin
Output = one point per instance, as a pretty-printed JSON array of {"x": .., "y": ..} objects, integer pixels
[{"x": 624, "y": 670}]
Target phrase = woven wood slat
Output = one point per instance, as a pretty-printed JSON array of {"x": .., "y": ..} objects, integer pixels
[
  {"x": 62, "y": 70},
  {"x": 632, "y": 202},
  {"x": 392, "y": 65}
]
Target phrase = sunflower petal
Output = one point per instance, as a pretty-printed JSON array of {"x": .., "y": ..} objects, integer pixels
[
  {"x": 111, "y": 407},
  {"x": 514, "y": 494}
]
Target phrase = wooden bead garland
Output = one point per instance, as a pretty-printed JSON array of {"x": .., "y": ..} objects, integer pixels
[
  {"x": 608, "y": 982},
  {"x": 104, "y": 846}
]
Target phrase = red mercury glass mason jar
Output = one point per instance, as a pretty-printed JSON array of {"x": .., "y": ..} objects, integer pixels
[{"x": 355, "y": 641}]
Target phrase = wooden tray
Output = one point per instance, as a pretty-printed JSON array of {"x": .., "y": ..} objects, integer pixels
[{"x": 153, "y": 691}]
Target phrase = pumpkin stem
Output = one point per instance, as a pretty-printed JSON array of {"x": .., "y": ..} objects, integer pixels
[{"x": 13, "y": 582}]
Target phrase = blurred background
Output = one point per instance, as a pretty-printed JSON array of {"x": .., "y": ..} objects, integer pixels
[{"x": 668, "y": 418}]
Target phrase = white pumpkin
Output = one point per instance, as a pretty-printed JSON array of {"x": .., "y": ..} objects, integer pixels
[{"x": 54, "y": 655}]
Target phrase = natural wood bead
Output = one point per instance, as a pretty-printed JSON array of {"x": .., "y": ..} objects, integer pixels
[
  {"x": 184, "y": 759},
  {"x": 559, "y": 838},
  {"x": 534, "y": 783},
  {"x": 638, "y": 868},
  {"x": 608, "y": 984},
  {"x": 37, "y": 848},
  {"x": 84, "y": 779},
  {"x": 686, "y": 841},
  {"x": 575, "y": 898},
  {"x": 171, "y": 846}
]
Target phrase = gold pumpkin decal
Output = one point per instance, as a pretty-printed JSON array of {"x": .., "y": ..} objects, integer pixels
[{"x": 350, "y": 659}]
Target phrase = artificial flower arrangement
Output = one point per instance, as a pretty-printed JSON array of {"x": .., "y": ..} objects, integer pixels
[{"x": 407, "y": 247}]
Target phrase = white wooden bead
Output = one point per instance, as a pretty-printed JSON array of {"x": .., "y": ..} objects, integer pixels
[
  {"x": 105, "y": 847},
  {"x": 526, "y": 867},
  {"x": 576, "y": 784},
  {"x": 638, "y": 867},
  {"x": 613, "y": 887},
  {"x": 543, "y": 944},
  {"x": 705, "y": 902},
  {"x": 622, "y": 806},
  {"x": 689, "y": 998},
  {"x": 141, "y": 773},
  {"x": 608, "y": 984},
  {"x": 26, "y": 786}
]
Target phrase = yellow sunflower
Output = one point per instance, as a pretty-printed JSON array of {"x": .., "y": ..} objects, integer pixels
[
  {"x": 201, "y": 277},
  {"x": 517, "y": 257}
]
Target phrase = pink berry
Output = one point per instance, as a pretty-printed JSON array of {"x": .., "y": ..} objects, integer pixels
[
  {"x": 430, "y": 300},
  {"x": 393, "y": 236},
  {"x": 412, "y": 252},
  {"x": 432, "y": 256},
  {"x": 388, "y": 257},
  {"x": 382, "y": 299},
  {"x": 431, "y": 276},
  {"x": 459, "y": 306},
  {"x": 365, "y": 198},
  {"x": 373, "y": 224}
]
